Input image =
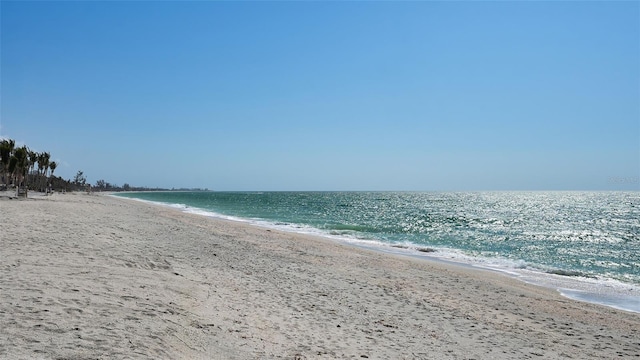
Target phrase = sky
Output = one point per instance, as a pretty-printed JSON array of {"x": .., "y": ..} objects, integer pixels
[{"x": 426, "y": 96}]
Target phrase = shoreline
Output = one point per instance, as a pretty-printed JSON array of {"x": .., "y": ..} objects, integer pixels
[
  {"x": 108, "y": 277},
  {"x": 607, "y": 292}
]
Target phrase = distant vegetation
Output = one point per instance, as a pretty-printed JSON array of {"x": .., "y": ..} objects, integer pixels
[
  {"x": 23, "y": 169},
  {"x": 102, "y": 185}
]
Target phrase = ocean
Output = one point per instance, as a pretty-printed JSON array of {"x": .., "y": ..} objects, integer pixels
[{"x": 585, "y": 244}]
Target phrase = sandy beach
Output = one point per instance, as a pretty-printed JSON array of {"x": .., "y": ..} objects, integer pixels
[{"x": 93, "y": 276}]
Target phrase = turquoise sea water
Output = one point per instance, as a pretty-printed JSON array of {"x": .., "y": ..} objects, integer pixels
[{"x": 590, "y": 239}]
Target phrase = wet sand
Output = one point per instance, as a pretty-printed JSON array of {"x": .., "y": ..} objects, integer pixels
[{"x": 91, "y": 276}]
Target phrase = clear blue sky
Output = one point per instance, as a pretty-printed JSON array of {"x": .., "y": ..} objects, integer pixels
[{"x": 328, "y": 95}]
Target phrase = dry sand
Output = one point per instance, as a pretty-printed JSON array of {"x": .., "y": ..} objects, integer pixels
[{"x": 89, "y": 276}]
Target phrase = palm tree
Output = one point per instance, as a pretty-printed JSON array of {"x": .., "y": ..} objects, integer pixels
[
  {"x": 20, "y": 163},
  {"x": 43, "y": 165},
  {"x": 6, "y": 150},
  {"x": 33, "y": 159},
  {"x": 40, "y": 170},
  {"x": 53, "y": 167},
  {"x": 47, "y": 164}
]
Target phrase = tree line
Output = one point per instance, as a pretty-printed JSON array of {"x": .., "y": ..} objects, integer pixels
[
  {"x": 102, "y": 185},
  {"x": 24, "y": 169}
]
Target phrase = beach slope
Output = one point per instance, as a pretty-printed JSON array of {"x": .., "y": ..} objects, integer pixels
[{"x": 90, "y": 276}]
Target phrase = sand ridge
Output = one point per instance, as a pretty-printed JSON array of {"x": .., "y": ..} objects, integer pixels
[{"x": 91, "y": 276}]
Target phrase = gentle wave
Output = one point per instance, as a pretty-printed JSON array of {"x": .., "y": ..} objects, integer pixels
[{"x": 412, "y": 231}]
